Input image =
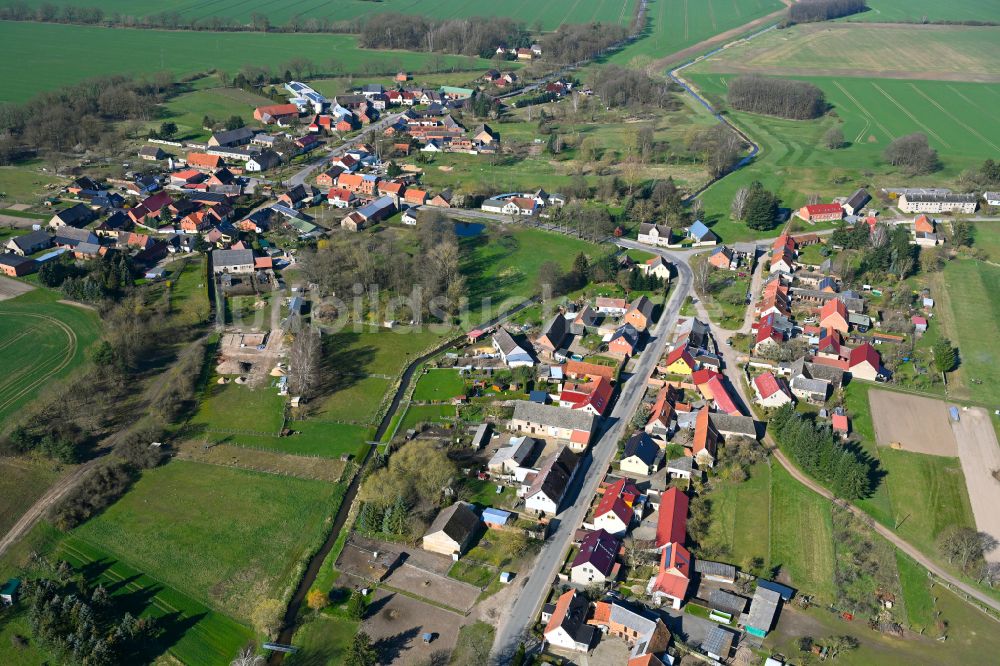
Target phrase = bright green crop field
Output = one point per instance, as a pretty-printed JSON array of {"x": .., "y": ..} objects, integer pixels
[
  {"x": 887, "y": 11},
  {"x": 59, "y": 55},
  {"x": 550, "y": 14},
  {"x": 673, "y": 25},
  {"x": 957, "y": 118},
  {"x": 40, "y": 340}
]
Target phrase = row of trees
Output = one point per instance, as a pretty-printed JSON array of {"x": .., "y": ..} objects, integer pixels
[
  {"x": 572, "y": 43},
  {"x": 844, "y": 469},
  {"x": 619, "y": 87},
  {"x": 784, "y": 98},
  {"x": 467, "y": 36},
  {"x": 809, "y": 11}
]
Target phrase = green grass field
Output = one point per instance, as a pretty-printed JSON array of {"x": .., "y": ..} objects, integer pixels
[
  {"x": 439, "y": 385},
  {"x": 677, "y": 24},
  {"x": 801, "y": 535},
  {"x": 916, "y": 10},
  {"x": 226, "y": 537},
  {"x": 22, "y": 481},
  {"x": 506, "y": 271},
  {"x": 871, "y": 112},
  {"x": 65, "y": 54},
  {"x": 323, "y": 641},
  {"x": 913, "y": 581},
  {"x": 972, "y": 293},
  {"x": 188, "y": 109},
  {"x": 550, "y": 14},
  {"x": 237, "y": 408},
  {"x": 40, "y": 340},
  {"x": 736, "y": 507},
  {"x": 357, "y": 403},
  {"x": 24, "y": 184}
]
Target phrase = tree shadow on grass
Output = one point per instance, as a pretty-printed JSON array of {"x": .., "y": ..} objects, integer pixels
[{"x": 392, "y": 648}]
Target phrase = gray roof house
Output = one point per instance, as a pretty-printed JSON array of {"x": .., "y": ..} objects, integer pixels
[
  {"x": 763, "y": 608},
  {"x": 543, "y": 492},
  {"x": 513, "y": 354},
  {"x": 232, "y": 261},
  {"x": 29, "y": 243},
  {"x": 556, "y": 423},
  {"x": 857, "y": 201},
  {"x": 236, "y": 137},
  {"x": 75, "y": 216},
  {"x": 452, "y": 530}
]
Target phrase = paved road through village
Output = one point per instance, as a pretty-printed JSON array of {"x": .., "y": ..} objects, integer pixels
[{"x": 514, "y": 625}]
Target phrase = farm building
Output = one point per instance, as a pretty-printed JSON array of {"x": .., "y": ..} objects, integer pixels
[{"x": 452, "y": 530}]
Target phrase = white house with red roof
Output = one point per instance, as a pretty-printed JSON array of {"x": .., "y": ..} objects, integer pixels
[
  {"x": 772, "y": 392},
  {"x": 593, "y": 397},
  {"x": 614, "y": 512}
]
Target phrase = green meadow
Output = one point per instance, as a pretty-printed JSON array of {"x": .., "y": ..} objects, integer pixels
[
  {"x": 916, "y": 11},
  {"x": 246, "y": 548},
  {"x": 61, "y": 55}
]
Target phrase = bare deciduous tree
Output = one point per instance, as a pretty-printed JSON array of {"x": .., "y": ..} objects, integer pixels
[
  {"x": 304, "y": 362},
  {"x": 246, "y": 657},
  {"x": 738, "y": 208}
]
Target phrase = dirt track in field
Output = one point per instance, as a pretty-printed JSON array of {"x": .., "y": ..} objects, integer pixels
[
  {"x": 10, "y": 288},
  {"x": 980, "y": 455},
  {"x": 920, "y": 424}
]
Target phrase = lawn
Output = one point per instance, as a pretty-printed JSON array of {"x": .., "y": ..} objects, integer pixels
[
  {"x": 801, "y": 535},
  {"x": 248, "y": 547},
  {"x": 472, "y": 573},
  {"x": 308, "y": 438},
  {"x": 439, "y": 385},
  {"x": 65, "y": 54},
  {"x": 24, "y": 184},
  {"x": 987, "y": 238},
  {"x": 549, "y": 14},
  {"x": 22, "y": 481},
  {"x": 237, "y": 408},
  {"x": 735, "y": 507},
  {"x": 357, "y": 403},
  {"x": 727, "y": 303},
  {"x": 430, "y": 413},
  {"x": 41, "y": 340},
  {"x": 471, "y": 638},
  {"x": 673, "y": 25},
  {"x": 972, "y": 288},
  {"x": 323, "y": 641},
  {"x": 871, "y": 113}
]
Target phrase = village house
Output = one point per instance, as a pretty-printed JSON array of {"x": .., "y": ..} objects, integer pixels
[
  {"x": 680, "y": 361},
  {"x": 671, "y": 582},
  {"x": 771, "y": 391},
  {"x": 661, "y": 418},
  {"x": 640, "y": 313},
  {"x": 452, "y": 530},
  {"x": 645, "y": 635},
  {"x": 69, "y": 237},
  {"x": 152, "y": 153},
  {"x": 553, "y": 335},
  {"x": 655, "y": 234},
  {"x": 701, "y": 234},
  {"x": 722, "y": 257},
  {"x": 658, "y": 267},
  {"x": 857, "y": 202},
  {"x": 595, "y": 561},
  {"x": 640, "y": 455},
  {"x": 572, "y": 426},
  {"x": 512, "y": 354},
  {"x": 262, "y": 161},
  {"x": 614, "y": 307},
  {"x": 822, "y": 213},
  {"x": 29, "y": 243},
  {"x": 511, "y": 460},
  {"x": 567, "y": 626},
  {"x": 833, "y": 316},
  {"x": 275, "y": 113},
  {"x": 615, "y": 512},
  {"x": 78, "y": 215},
  {"x": 913, "y": 202},
  {"x": 232, "y": 261},
  {"x": 705, "y": 440},
  {"x": 623, "y": 341},
  {"x": 865, "y": 363},
  {"x": 593, "y": 396},
  {"x": 543, "y": 491},
  {"x": 13, "y": 265},
  {"x": 369, "y": 214},
  {"x": 340, "y": 197},
  {"x": 586, "y": 321}
]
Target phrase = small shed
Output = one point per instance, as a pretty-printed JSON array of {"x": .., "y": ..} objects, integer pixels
[
  {"x": 496, "y": 518},
  {"x": 541, "y": 397},
  {"x": 482, "y": 436},
  {"x": 8, "y": 593},
  {"x": 506, "y": 576},
  {"x": 719, "y": 643}
]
